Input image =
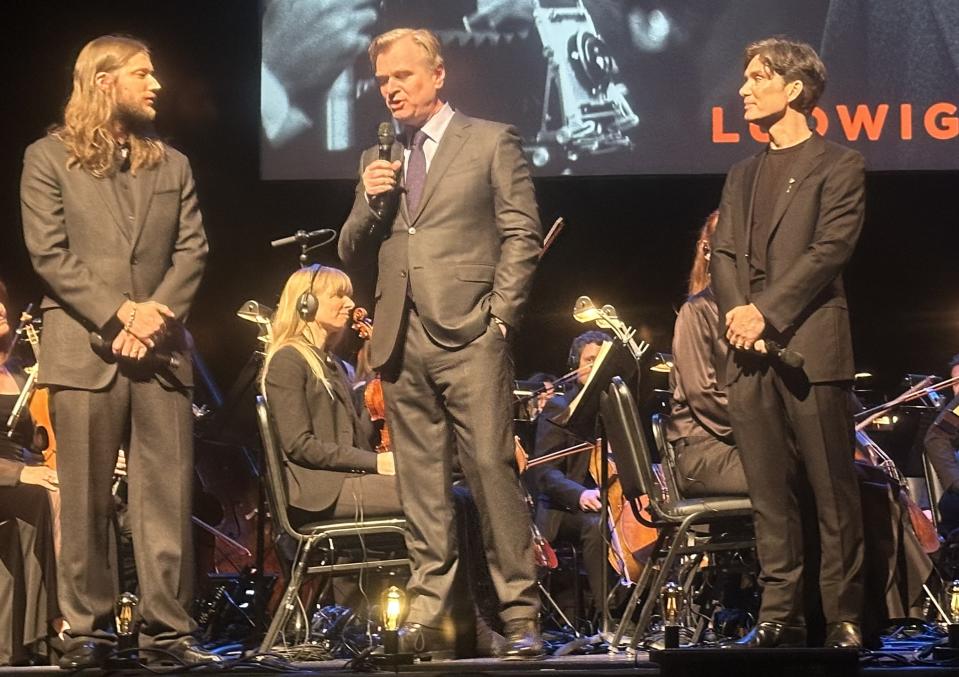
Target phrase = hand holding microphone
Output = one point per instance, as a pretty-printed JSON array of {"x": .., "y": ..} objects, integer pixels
[
  {"x": 379, "y": 177},
  {"x": 745, "y": 324}
]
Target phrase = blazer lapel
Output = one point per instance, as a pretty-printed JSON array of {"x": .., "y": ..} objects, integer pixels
[
  {"x": 109, "y": 197},
  {"x": 809, "y": 158},
  {"x": 143, "y": 185},
  {"x": 453, "y": 139}
]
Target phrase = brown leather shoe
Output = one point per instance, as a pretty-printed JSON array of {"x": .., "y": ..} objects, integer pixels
[
  {"x": 523, "y": 640},
  {"x": 767, "y": 635},
  {"x": 843, "y": 635}
]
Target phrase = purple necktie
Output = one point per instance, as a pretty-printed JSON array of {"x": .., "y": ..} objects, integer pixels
[{"x": 416, "y": 171}]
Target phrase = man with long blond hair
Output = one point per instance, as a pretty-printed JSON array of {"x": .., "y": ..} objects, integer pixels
[{"x": 111, "y": 220}]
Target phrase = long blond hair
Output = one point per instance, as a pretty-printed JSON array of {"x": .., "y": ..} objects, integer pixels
[
  {"x": 289, "y": 329},
  {"x": 90, "y": 113},
  {"x": 699, "y": 274}
]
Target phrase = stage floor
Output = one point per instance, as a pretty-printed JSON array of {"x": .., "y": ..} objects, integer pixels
[{"x": 676, "y": 663}]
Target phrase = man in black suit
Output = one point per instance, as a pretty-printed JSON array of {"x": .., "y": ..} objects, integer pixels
[
  {"x": 111, "y": 220},
  {"x": 789, "y": 220},
  {"x": 455, "y": 253}
]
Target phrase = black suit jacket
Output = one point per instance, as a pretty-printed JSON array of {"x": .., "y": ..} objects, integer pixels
[
  {"x": 816, "y": 222},
  {"x": 468, "y": 251},
  {"x": 560, "y": 482},
  {"x": 322, "y": 437}
]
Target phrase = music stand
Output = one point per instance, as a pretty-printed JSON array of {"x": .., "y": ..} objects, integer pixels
[{"x": 582, "y": 418}]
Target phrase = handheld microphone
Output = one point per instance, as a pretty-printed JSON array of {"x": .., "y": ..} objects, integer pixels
[
  {"x": 385, "y": 136},
  {"x": 303, "y": 237},
  {"x": 155, "y": 358},
  {"x": 788, "y": 357}
]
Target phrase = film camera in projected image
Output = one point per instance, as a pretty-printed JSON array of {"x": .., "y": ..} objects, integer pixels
[{"x": 585, "y": 109}]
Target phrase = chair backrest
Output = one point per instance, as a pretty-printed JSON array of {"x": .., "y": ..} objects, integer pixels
[
  {"x": 276, "y": 480},
  {"x": 628, "y": 442},
  {"x": 667, "y": 456},
  {"x": 933, "y": 487}
]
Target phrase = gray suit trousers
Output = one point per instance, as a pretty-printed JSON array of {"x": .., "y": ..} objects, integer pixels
[
  {"x": 442, "y": 401},
  {"x": 155, "y": 426}
]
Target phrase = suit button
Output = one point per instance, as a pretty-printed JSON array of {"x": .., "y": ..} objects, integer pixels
[
  {"x": 402, "y": 273},
  {"x": 412, "y": 230},
  {"x": 134, "y": 260}
]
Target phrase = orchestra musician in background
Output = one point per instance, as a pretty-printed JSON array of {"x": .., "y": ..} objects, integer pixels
[
  {"x": 568, "y": 502},
  {"x": 28, "y": 564},
  {"x": 707, "y": 459},
  {"x": 331, "y": 469}
]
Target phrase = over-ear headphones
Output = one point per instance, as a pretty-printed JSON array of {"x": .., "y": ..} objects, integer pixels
[
  {"x": 580, "y": 342},
  {"x": 307, "y": 304}
]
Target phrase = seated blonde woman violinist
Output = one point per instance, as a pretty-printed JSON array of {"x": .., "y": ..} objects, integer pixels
[{"x": 331, "y": 471}]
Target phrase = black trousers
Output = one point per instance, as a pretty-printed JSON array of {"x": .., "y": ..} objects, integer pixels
[
  {"x": 155, "y": 426},
  {"x": 789, "y": 432},
  {"x": 586, "y": 531},
  {"x": 440, "y": 402}
]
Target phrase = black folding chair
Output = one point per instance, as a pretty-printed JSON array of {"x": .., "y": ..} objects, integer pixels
[
  {"x": 933, "y": 487},
  {"x": 327, "y": 535},
  {"x": 673, "y": 516}
]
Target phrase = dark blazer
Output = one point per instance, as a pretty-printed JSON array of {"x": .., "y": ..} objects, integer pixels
[
  {"x": 816, "y": 222},
  {"x": 470, "y": 249},
  {"x": 92, "y": 259},
  {"x": 559, "y": 482},
  {"x": 323, "y": 438}
]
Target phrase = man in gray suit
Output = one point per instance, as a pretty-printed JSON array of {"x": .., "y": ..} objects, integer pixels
[
  {"x": 456, "y": 246},
  {"x": 110, "y": 218}
]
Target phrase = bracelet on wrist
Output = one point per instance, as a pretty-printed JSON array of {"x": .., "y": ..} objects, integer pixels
[{"x": 133, "y": 315}]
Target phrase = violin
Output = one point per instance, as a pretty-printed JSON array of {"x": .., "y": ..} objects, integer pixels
[
  {"x": 543, "y": 553},
  {"x": 373, "y": 397},
  {"x": 36, "y": 400}
]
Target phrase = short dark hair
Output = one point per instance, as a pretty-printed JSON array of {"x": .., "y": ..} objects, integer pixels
[
  {"x": 794, "y": 61},
  {"x": 954, "y": 361},
  {"x": 583, "y": 340}
]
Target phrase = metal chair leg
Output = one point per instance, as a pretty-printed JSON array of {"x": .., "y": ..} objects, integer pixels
[{"x": 288, "y": 604}]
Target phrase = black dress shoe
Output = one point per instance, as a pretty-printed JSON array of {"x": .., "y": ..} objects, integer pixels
[
  {"x": 523, "y": 640},
  {"x": 767, "y": 635},
  {"x": 424, "y": 641},
  {"x": 844, "y": 635},
  {"x": 187, "y": 653},
  {"x": 86, "y": 655}
]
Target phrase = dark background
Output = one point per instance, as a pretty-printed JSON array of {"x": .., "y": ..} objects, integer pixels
[{"x": 628, "y": 240}]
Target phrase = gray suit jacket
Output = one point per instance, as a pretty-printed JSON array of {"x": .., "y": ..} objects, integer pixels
[
  {"x": 816, "y": 223},
  {"x": 91, "y": 260},
  {"x": 470, "y": 249}
]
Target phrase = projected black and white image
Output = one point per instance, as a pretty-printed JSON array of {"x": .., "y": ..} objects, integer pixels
[{"x": 605, "y": 87}]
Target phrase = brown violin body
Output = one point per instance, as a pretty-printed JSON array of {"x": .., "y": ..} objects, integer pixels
[
  {"x": 631, "y": 540},
  {"x": 373, "y": 391},
  {"x": 869, "y": 452}
]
